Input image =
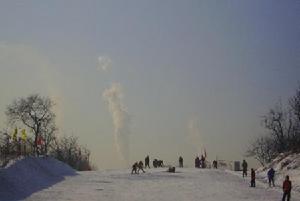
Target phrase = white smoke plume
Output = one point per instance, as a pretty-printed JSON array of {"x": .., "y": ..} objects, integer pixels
[
  {"x": 113, "y": 97},
  {"x": 104, "y": 63},
  {"x": 195, "y": 134}
]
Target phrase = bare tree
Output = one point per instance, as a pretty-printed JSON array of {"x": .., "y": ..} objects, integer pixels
[
  {"x": 35, "y": 112},
  {"x": 262, "y": 149},
  {"x": 280, "y": 126},
  {"x": 283, "y": 125},
  {"x": 295, "y": 109},
  {"x": 68, "y": 150}
]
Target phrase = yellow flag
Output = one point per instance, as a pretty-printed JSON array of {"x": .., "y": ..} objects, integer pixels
[{"x": 24, "y": 135}]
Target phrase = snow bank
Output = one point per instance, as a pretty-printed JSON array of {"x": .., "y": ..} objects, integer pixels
[
  {"x": 284, "y": 164},
  {"x": 28, "y": 175}
]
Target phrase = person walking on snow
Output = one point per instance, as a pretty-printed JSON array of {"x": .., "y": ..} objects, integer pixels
[
  {"x": 147, "y": 162},
  {"x": 287, "y": 187},
  {"x": 271, "y": 174},
  {"x": 140, "y": 166},
  {"x": 134, "y": 168},
  {"x": 245, "y": 167},
  {"x": 252, "y": 177}
]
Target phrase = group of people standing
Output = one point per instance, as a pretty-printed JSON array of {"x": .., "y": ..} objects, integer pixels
[
  {"x": 200, "y": 162},
  {"x": 139, "y": 166},
  {"x": 286, "y": 186}
]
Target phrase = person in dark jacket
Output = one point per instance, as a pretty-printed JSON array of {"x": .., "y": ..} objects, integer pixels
[
  {"x": 160, "y": 163},
  {"x": 180, "y": 162},
  {"x": 147, "y": 162},
  {"x": 134, "y": 168},
  {"x": 140, "y": 167},
  {"x": 155, "y": 163},
  {"x": 287, "y": 187},
  {"x": 252, "y": 177},
  {"x": 202, "y": 162},
  {"x": 197, "y": 162},
  {"x": 215, "y": 164},
  {"x": 271, "y": 174},
  {"x": 245, "y": 167}
]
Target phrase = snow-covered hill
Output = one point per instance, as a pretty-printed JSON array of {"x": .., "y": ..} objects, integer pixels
[
  {"x": 284, "y": 164},
  {"x": 28, "y": 175}
]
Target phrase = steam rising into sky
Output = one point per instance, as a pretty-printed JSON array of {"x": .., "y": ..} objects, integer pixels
[
  {"x": 195, "y": 135},
  {"x": 113, "y": 97},
  {"x": 104, "y": 63}
]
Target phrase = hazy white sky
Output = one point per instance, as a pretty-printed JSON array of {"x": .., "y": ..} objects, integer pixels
[{"x": 164, "y": 78}]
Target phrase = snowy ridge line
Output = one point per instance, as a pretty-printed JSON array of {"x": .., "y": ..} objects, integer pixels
[{"x": 25, "y": 176}]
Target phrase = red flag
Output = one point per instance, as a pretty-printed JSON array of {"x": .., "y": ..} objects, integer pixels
[{"x": 40, "y": 140}]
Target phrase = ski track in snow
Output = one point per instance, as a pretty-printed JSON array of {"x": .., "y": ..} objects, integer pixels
[{"x": 187, "y": 184}]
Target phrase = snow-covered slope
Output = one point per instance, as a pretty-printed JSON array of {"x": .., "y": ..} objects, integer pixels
[
  {"x": 46, "y": 179},
  {"x": 284, "y": 164},
  {"x": 188, "y": 184},
  {"x": 25, "y": 176}
]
